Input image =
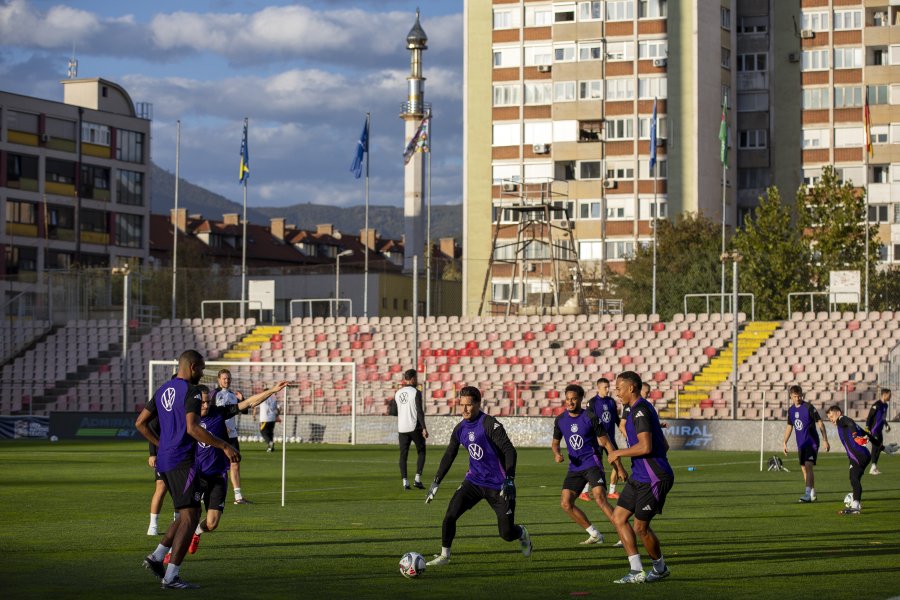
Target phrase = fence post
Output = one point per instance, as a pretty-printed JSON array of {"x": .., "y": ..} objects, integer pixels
[
  {"x": 845, "y": 399},
  {"x": 677, "y": 395},
  {"x": 762, "y": 433}
]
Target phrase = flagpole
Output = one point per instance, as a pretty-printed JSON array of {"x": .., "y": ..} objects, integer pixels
[
  {"x": 244, "y": 237},
  {"x": 654, "y": 133},
  {"x": 724, "y": 155},
  {"x": 366, "y": 243},
  {"x": 428, "y": 238},
  {"x": 175, "y": 228},
  {"x": 868, "y": 141}
]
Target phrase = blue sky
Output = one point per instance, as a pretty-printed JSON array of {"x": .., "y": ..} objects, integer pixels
[{"x": 304, "y": 73}]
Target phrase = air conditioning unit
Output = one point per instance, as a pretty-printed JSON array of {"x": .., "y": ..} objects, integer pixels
[
  {"x": 544, "y": 68},
  {"x": 541, "y": 148},
  {"x": 45, "y": 138},
  {"x": 510, "y": 187},
  {"x": 807, "y": 34},
  {"x": 609, "y": 184},
  {"x": 794, "y": 57},
  {"x": 659, "y": 62}
]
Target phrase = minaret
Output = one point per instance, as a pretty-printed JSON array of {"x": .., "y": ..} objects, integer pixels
[{"x": 412, "y": 112}]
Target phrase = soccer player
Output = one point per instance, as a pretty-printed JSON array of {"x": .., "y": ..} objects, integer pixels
[
  {"x": 585, "y": 438},
  {"x": 411, "y": 426},
  {"x": 604, "y": 406},
  {"x": 491, "y": 475},
  {"x": 854, "y": 440},
  {"x": 803, "y": 418},
  {"x": 268, "y": 415},
  {"x": 211, "y": 462},
  {"x": 876, "y": 423},
  {"x": 223, "y": 396},
  {"x": 651, "y": 479},
  {"x": 177, "y": 405}
]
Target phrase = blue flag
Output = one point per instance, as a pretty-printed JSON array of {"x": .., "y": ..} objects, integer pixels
[
  {"x": 245, "y": 158},
  {"x": 653, "y": 137},
  {"x": 362, "y": 146}
]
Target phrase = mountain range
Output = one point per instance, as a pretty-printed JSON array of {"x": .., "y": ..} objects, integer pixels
[{"x": 446, "y": 220}]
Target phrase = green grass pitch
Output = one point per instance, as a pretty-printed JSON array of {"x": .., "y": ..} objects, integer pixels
[{"x": 73, "y": 518}]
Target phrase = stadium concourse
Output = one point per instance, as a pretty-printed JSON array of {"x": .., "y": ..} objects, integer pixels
[{"x": 521, "y": 363}]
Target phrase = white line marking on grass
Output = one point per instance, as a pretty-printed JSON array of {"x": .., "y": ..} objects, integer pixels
[{"x": 328, "y": 489}]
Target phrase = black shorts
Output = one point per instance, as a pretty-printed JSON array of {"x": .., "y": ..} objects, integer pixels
[
  {"x": 215, "y": 488},
  {"x": 645, "y": 500},
  {"x": 575, "y": 480},
  {"x": 234, "y": 442},
  {"x": 415, "y": 436},
  {"x": 807, "y": 454},
  {"x": 184, "y": 486}
]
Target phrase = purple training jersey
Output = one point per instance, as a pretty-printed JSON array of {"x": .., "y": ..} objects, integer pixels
[
  {"x": 803, "y": 419},
  {"x": 652, "y": 467},
  {"x": 848, "y": 431},
  {"x": 485, "y": 467},
  {"x": 211, "y": 460},
  {"x": 581, "y": 433},
  {"x": 171, "y": 404},
  {"x": 608, "y": 414},
  {"x": 876, "y": 418}
]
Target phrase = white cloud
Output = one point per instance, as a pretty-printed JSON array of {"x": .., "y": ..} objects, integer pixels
[{"x": 58, "y": 27}]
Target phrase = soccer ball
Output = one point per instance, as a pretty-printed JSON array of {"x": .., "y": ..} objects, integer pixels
[
  {"x": 412, "y": 564},
  {"x": 848, "y": 499}
]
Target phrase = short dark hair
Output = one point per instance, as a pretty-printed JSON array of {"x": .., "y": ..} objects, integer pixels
[
  {"x": 633, "y": 378},
  {"x": 470, "y": 391},
  {"x": 203, "y": 388},
  {"x": 603, "y": 380},
  {"x": 222, "y": 372},
  {"x": 189, "y": 357},
  {"x": 834, "y": 408},
  {"x": 409, "y": 374},
  {"x": 795, "y": 389},
  {"x": 574, "y": 387},
  {"x": 885, "y": 391}
]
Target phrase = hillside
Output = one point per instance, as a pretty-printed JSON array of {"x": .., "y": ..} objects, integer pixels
[{"x": 446, "y": 221}]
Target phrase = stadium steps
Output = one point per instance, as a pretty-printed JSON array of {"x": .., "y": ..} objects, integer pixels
[
  {"x": 252, "y": 342},
  {"x": 39, "y": 404},
  {"x": 30, "y": 346},
  {"x": 750, "y": 339}
]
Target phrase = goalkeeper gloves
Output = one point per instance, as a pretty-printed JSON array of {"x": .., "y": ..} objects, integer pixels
[
  {"x": 432, "y": 492},
  {"x": 508, "y": 490}
]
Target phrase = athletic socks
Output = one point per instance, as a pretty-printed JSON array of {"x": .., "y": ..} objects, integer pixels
[
  {"x": 237, "y": 494},
  {"x": 445, "y": 551},
  {"x": 612, "y": 488},
  {"x": 154, "y": 520},
  {"x": 160, "y": 552},
  {"x": 405, "y": 482},
  {"x": 593, "y": 531},
  {"x": 418, "y": 478},
  {"x": 171, "y": 572},
  {"x": 807, "y": 490},
  {"x": 199, "y": 529},
  {"x": 635, "y": 561},
  {"x": 659, "y": 565}
]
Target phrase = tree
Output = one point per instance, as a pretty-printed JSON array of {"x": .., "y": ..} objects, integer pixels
[
  {"x": 832, "y": 214},
  {"x": 687, "y": 263},
  {"x": 776, "y": 257},
  {"x": 884, "y": 290}
]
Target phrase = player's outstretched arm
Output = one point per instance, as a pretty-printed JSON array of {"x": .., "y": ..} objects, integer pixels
[{"x": 262, "y": 396}]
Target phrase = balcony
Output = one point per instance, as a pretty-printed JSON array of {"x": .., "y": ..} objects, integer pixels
[
  {"x": 23, "y": 229},
  {"x": 884, "y": 192},
  {"x": 753, "y": 80}
]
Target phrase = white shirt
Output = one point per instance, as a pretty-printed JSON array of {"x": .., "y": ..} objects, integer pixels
[
  {"x": 268, "y": 410},
  {"x": 407, "y": 411},
  {"x": 224, "y": 398}
]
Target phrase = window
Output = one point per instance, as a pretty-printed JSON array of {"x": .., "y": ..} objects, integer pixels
[
  {"x": 589, "y": 209},
  {"x": 538, "y": 93},
  {"x": 619, "y": 250},
  {"x": 880, "y": 174},
  {"x": 816, "y": 21},
  {"x": 507, "y": 134},
  {"x": 538, "y": 132},
  {"x": 506, "y": 95},
  {"x": 564, "y": 91},
  {"x": 726, "y": 58},
  {"x": 620, "y": 51},
  {"x": 725, "y": 18},
  {"x": 661, "y": 127},
  {"x": 500, "y": 292},
  {"x": 816, "y": 138},
  {"x": 564, "y": 12},
  {"x": 653, "y": 49},
  {"x": 20, "y": 212},
  {"x": 564, "y": 53},
  {"x": 565, "y": 131},
  {"x": 895, "y": 55},
  {"x": 652, "y": 87},
  {"x": 896, "y": 220},
  {"x": 590, "y": 90},
  {"x": 879, "y": 94},
  {"x": 879, "y": 134},
  {"x": 847, "y": 19},
  {"x": 538, "y": 16},
  {"x": 752, "y": 62},
  {"x": 562, "y": 210},
  {"x": 619, "y": 10},
  {"x": 648, "y": 210},
  {"x": 814, "y": 60},
  {"x": 130, "y": 146},
  {"x": 538, "y": 55},
  {"x": 538, "y": 171},
  {"x": 847, "y": 58},
  {"x": 506, "y": 173},
  {"x": 848, "y": 97},
  {"x": 129, "y": 230},
  {"x": 95, "y": 182},
  {"x": 506, "y": 57},
  {"x": 753, "y": 25},
  {"x": 129, "y": 187},
  {"x": 55, "y": 259},
  {"x": 816, "y": 98},
  {"x": 590, "y": 250},
  {"x": 506, "y": 19},
  {"x": 590, "y": 169},
  {"x": 752, "y": 101},
  {"x": 619, "y": 208},
  {"x": 590, "y": 131},
  {"x": 620, "y": 170},
  {"x": 620, "y": 129},
  {"x": 652, "y": 9},
  {"x": 644, "y": 172},
  {"x": 564, "y": 170},
  {"x": 620, "y": 89},
  {"x": 756, "y": 178},
  {"x": 811, "y": 176},
  {"x": 60, "y": 171},
  {"x": 20, "y": 259},
  {"x": 752, "y": 139},
  {"x": 590, "y": 11},
  {"x": 590, "y": 51},
  {"x": 21, "y": 167},
  {"x": 849, "y": 136},
  {"x": 878, "y": 213},
  {"x": 880, "y": 57}
]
